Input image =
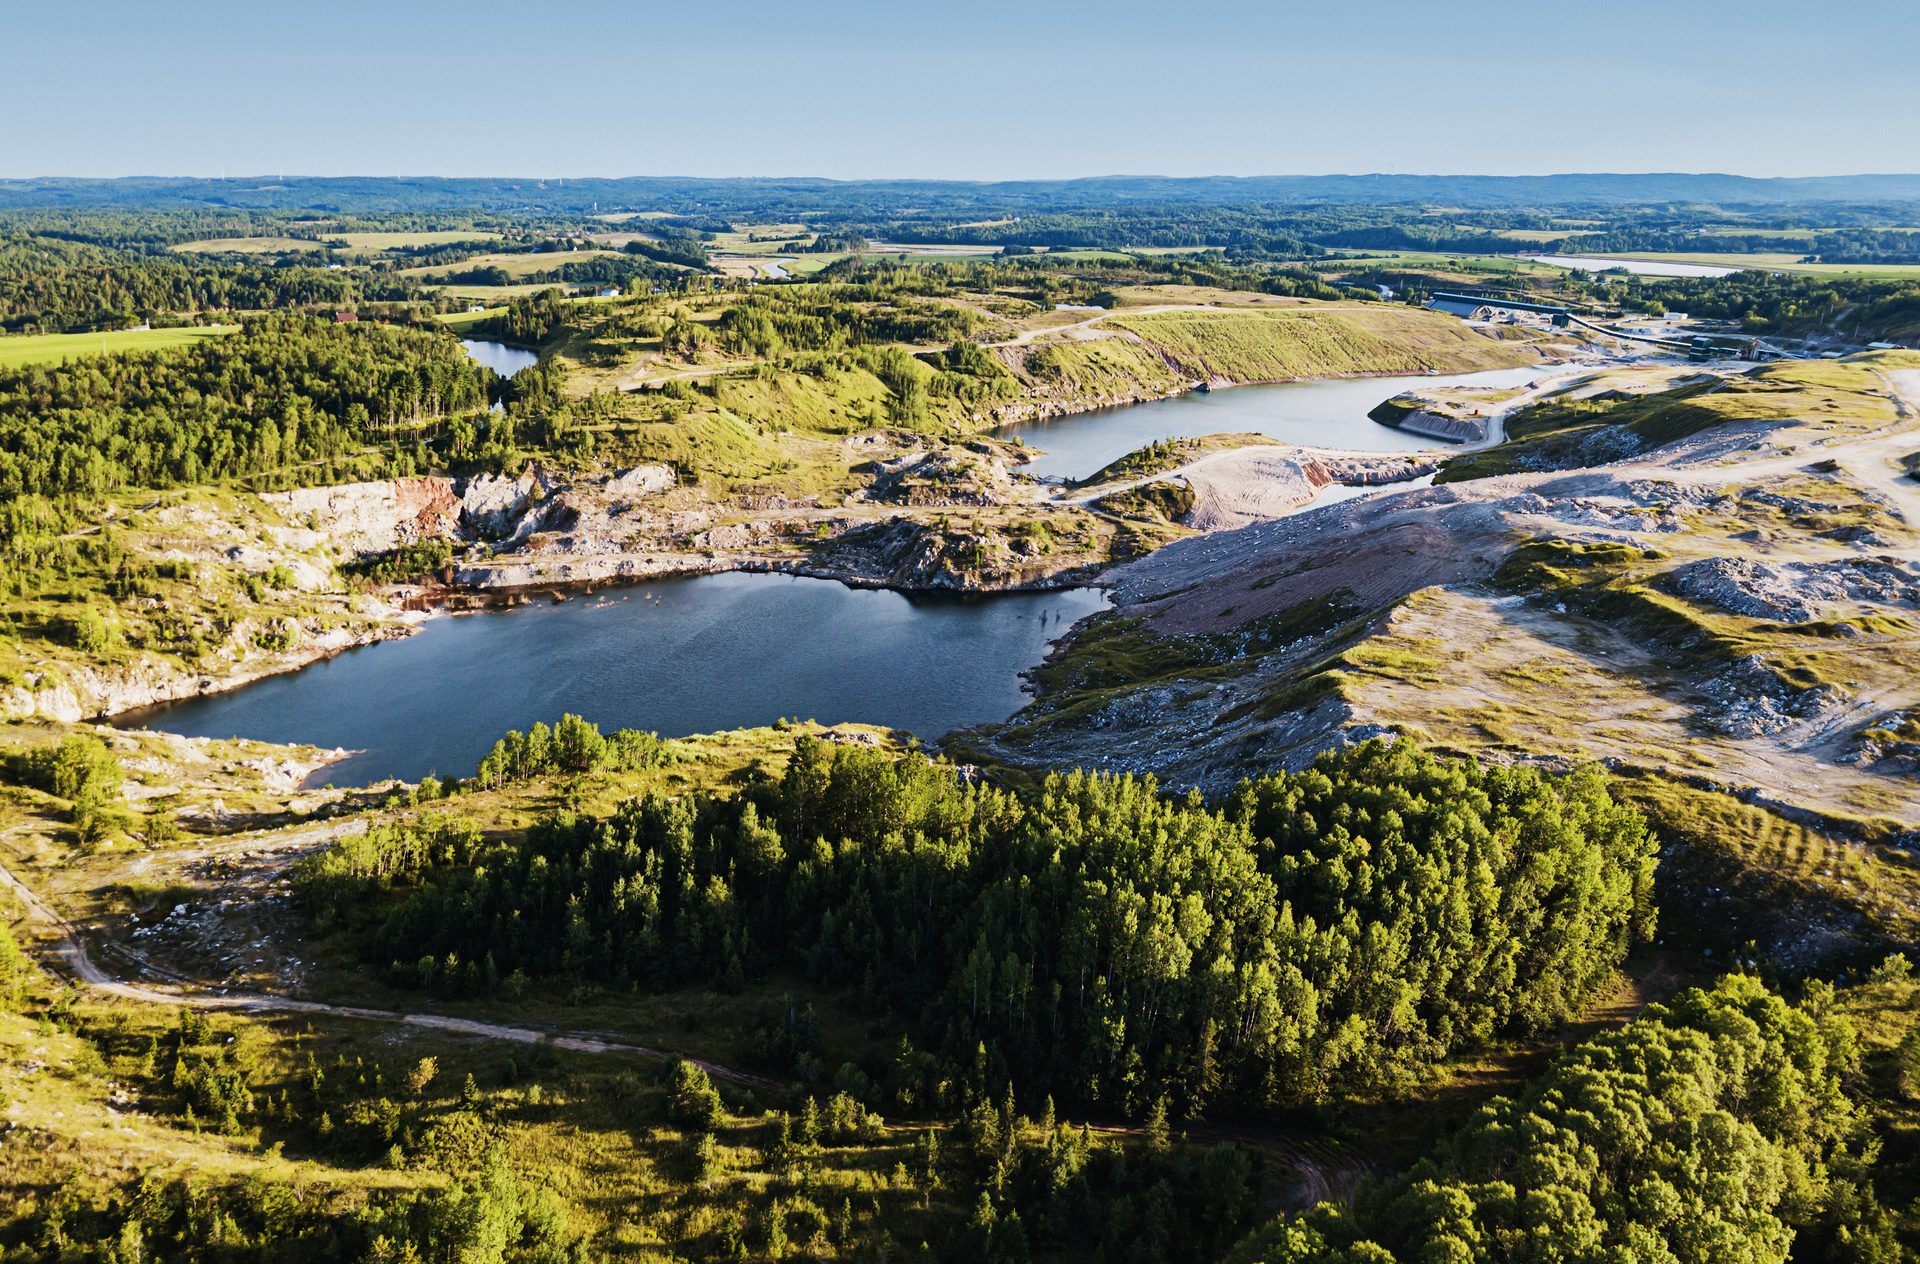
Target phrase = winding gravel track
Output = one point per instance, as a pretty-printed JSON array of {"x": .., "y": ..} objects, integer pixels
[{"x": 71, "y": 949}]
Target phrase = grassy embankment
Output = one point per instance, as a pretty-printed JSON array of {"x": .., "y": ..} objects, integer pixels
[
  {"x": 1333, "y": 341},
  {"x": 747, "y": 420}
]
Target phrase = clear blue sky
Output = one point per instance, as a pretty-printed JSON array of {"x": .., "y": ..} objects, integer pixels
[{"x": 976, "y": 89}]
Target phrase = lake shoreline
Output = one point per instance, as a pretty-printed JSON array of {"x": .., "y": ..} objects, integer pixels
[
  {"x": 144, "y": 688},
  {"x": 649, "y": 657}
]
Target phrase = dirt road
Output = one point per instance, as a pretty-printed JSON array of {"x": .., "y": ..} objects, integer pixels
[{"x": 69, "y": 947}]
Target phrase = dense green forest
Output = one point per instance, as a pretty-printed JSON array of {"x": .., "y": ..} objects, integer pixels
[
  {"x": 1840, "y": 245},
  {"x": 1327, "y": 933},
  {"x": 1716, "y": 1128},
  {"x": 48, "y": 285},
  {"x": 282, "y": 393}
]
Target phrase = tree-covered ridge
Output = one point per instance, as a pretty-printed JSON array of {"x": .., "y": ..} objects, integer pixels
[
  {"x": 48, "y": 284},
  {"x": 1714, "y": 1130},
  {"x": 283, "y": 392},
  {"x": 1329, "y": 932}
]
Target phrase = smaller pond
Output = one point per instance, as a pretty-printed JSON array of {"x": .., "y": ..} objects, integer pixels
[
  {"x": 1639, "y": 267},
  {"x": 1324, "y": 414},
  {"x": 498, "y": 356}
]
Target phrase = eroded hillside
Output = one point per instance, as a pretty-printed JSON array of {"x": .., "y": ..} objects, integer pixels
[{"x": 1733, "y": 605}]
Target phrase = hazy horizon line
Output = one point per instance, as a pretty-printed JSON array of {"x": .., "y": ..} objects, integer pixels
[{"x": 931, "y": 179}]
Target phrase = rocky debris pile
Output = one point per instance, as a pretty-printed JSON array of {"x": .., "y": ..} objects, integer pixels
[
  {"x": 735, "y": 536},
  {"x": 217, "y": 939},
  {"x": 1796, "y": 592},
  {"x": 955, "y": 557},
  {"x": 491, "y": 504},
  {"x": 940, "y": 479},
  {"x": 1267, "y": 481},
  {"x": 307, "y": 576},
  {"x": 1801, "y": 507},
  {"x": 1365, "y": 470},
  {"x": 1889, "y": 746},
  {"x": 1252, "y": 485},
  {"x": 641, "y": 480},
  {"x": 1751, "y": 700},
  {"x": 850, "y": 737}
]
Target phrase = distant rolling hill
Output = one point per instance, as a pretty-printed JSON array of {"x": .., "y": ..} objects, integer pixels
[{"x": 889, "y": 198}]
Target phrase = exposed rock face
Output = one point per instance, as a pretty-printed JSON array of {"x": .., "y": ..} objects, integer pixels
[
  {"x": 641, "y": 480},
  {"x": 376, "y": 517},
  {"x": 941, "y": 479},
  {"x": 1796, "y": 592},
  {"x": 491, "y": 504},
  {"x": 902, "y": 553},
  {"x": 1379, "y": 471},
  {"x": 1422, "y": 415}
]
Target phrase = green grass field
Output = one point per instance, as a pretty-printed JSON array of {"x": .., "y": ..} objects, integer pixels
[
  {"x": 460, "y": 322},
  {"x": 20, "y": 349},
  {"x": 499, "y": 293},
  {"x": 1534, "y": 234},
  {"x": 514, "y": 265},
  {"x": 1429, "y": 259},
  {"x": 1090, "y": 256}
]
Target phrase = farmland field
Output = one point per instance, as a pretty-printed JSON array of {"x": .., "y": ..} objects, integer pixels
[
  {"x": 515, "y": 265},
  {"x": 389, "y": 241},
  {"x": 1431, "y": 259},
  {"x": 21, "y": 349},
  {"x": 248, "y": 245},
  {"x": 498, "y": 293}
]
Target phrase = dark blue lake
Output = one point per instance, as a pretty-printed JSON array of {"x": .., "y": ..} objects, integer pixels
[{"x": 677, "y": 656}]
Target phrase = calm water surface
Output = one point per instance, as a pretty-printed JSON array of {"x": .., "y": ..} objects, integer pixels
[
  {"x": 1331, "y": 414},
  {"x": 498, "y": 356},
  {"x": 676, "y": 656},
  {"x": 697, "y": 655}
]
